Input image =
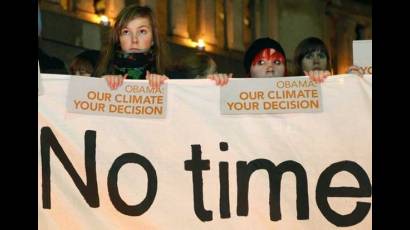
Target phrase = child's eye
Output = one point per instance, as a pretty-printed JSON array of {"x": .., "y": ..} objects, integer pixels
[
  {"x": 308, "y": 56},
  {"x": 125, "y": 32},
  {"x": 277, "y": 62},
  {"x": 322, "y": 55},
  {"x": 143, "y": 31},
  {"x": 261, "y": 62}
]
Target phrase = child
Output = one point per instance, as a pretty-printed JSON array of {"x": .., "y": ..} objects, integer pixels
[
  {"x": 311, "y": 55},
  {"x": 133, "y": 50},
  {"x": 84, "y": 63},
  {"x": 266, "y": 58},
  {"x": 194, "y": 66},
  {"x": 198, "y": 66}
]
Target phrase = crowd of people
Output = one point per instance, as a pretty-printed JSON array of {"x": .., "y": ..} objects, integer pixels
[{"x": 134, "y": 51}]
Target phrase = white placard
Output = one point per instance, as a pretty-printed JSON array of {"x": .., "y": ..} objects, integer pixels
[
  {"x": 271, "y": 95},
  {"x": 134, "y": 98},
  {"x": 362, "y": 55}
]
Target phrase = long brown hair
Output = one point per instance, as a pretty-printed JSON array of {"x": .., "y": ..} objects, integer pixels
[{"x": 126, "y": 15}]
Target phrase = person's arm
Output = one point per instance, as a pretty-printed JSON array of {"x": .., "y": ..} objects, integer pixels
[
  {"x": 155, "y": 80},
  {"x": 220, "y": 78},
  {"x": 114, "y": 81},
  {"x": 317, "y": 76}
]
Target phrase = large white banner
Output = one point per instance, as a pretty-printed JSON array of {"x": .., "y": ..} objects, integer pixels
[{"x": 198, "y": 169}]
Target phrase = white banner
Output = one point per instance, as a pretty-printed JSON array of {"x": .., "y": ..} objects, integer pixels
[
  {"x": 39, "y": 81},
  {"x": 198, "y": 169}
]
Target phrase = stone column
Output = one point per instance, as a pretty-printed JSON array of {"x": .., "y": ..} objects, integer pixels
[
  {"x": 178, "y": 18},
  {"x": 208, "y": 19},
  {"x": 113, "y": 7},
  {"x": 192, "y": 18},
  {"x": 234, "y": 17},
  {"x": 84, "y": 5},
  {"x": 272, "y": 24},
  {"x": 151, "y": 3},
  {"x": 345, "y": 36},
  {"x": 220, "y": 24},
  {"x": 256, "y": 19},
  {"x": 162, "y": 14}
]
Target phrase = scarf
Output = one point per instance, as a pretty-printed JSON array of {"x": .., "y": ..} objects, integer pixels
[{"x": 133, "y": 64}]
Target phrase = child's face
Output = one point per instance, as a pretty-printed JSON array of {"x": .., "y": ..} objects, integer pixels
[
  {"x": 81, "y": 72},
  {"x": 315, "y": 60},
  {"x": 268, "y": 63},
  {"x": 136, "y": 36}
]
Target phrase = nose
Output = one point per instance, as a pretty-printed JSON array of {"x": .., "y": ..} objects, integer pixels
[
  {"x": 269, "y": 66},
  {"x": 316, "y": 59},
  {"x": 134, "y": 38}
]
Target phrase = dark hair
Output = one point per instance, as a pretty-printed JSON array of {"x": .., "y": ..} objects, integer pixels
[
  {"x": 126, "y": 15},
  {"x": 49, "y": 64},
  {"x": 82, "y": 65},
  {"x": 307, "y": 46},
  {"x": 256, "y": 47},
  {"x": 197, "y": 65},
  {"x": 91, "y": 55},
  {"x": 85, "y": 61}
]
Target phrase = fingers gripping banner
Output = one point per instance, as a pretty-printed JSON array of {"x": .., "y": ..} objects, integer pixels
[{"x": 198, "y": 169}]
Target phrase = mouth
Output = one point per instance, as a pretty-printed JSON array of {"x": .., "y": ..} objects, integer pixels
[
  {"x": 270, "y": 73},
  {"x": 135, "y": 50}
]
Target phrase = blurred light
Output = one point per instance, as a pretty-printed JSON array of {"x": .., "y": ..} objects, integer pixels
[
  {"x": 104, "y": 20},
  {"x": 201, "y": 45},
  {"x": 246, "y": 21},
  {"x": 221, "y": 16}
]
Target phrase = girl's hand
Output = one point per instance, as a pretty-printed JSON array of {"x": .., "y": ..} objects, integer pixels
[
  {"x": 317, "y": 76},
  {"x": 114, "y": 81},
  {"x": 155, "y": 80},
  {"x": 220, "y": 78},
  {"x": 355, "y": 70}
]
